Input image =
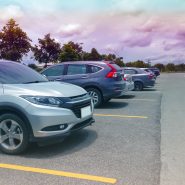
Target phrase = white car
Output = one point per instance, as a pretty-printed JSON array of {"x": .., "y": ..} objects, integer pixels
[{"x": 129, "y": 83}]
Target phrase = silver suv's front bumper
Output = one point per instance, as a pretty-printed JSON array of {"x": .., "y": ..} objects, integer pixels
[{"x": 48, "y": 121}]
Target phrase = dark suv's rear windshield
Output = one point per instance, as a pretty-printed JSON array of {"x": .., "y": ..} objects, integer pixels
[
  {"x": 13, "y": 73},
  {"x": 116, "y": 67}
]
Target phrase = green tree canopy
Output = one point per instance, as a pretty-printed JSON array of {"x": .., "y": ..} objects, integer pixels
[
  {"x": 109, "y": 57},
  {"x": 76, "y": 46},
  {"x": 119, "y": 62},
  {"x": 161, "y": 67},
  {"x": 47, "y": 50},
  {"x": 170, "y": 67},
  {"x": 180, "y": 67},
  {"x": 14, "y": 42},
  {"x": 94, "y": 55},
  {"x": 69, "y": 52},
  {"x": 138, "y": 63}
]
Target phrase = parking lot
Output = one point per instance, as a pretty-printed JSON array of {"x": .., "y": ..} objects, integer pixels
[{"x": 122, "y": 147}]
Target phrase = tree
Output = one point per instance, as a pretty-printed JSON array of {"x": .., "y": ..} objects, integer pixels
[
  {"x": 109, "y": 57},
  {"x": 86, "y": 56},
  {"x": 76, "y": 46},
  {"x": 68, "y": 53},
  {"x": 94, "y": 55},
  {"x": 180, "y": 67},
  {"x": 161, "y": 67},
  {"x": 129, "y": 64},
  {"x": 140, "y": 64},
  {"x": 170, "y": 67},
  {"x": 137, "y": 63},
  {"x": 71, "y": 52},
  {"x": 14, "y": 42},
  {"x": 47, "y": 50},
  {"x": 119, "y": 62}
]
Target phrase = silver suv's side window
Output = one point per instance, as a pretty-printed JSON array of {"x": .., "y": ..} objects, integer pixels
[
  {"x": 76, "y": 69},
  {"x": 54, "y": 71}
]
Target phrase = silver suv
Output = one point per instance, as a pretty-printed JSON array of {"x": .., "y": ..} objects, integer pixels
[{"x": 33, "y": 109}]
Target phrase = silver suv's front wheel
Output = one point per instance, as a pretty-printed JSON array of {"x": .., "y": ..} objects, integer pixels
[{"x": 13, "y": 134}]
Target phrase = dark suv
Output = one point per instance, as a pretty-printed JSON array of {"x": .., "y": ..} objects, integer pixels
[
  {"x": 155, "y": 70},
  {"x": 103, "y": 80}
]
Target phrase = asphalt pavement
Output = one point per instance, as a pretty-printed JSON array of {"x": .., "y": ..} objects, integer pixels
[
  {"x": 173, "y": 129},
  {"x": 122, "y": 147}
]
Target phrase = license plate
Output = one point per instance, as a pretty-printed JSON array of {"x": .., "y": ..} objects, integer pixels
[{"x": 86, "y": 111}]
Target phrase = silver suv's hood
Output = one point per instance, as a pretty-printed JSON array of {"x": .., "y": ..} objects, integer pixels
[{"x": 55, "y": 89}]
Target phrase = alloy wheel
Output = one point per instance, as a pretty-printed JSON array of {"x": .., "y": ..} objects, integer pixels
[{"x": 11, "y": 134}]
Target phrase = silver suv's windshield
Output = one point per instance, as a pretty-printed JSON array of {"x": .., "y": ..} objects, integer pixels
[{"x": 14, "y": 73}]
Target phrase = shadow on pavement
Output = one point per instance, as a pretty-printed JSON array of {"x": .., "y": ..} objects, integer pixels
[
  {"x": 113, "y": 105},
  {"x": 126, "y": 96},
  {"x": 71, "y": 144},
  {"x": 149, "y": 89}
]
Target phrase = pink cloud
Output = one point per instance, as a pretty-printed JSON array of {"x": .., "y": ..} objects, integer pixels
[
  {"x": 141, "y": 40},
  {"x": 178, "y": 45},
  {"x": 181, "y": 35},
  {"x": 152, "y": 25}
]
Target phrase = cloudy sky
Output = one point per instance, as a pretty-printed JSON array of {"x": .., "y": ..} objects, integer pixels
[{"x": 135, "y": 29}]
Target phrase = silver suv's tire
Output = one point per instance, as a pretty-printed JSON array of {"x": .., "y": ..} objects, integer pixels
[{"x": 14, "y": 136}]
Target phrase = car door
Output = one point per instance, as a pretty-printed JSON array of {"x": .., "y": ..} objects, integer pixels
[
  {"x": 76, "y": 74},
  {"x": 55, "y": 72}
]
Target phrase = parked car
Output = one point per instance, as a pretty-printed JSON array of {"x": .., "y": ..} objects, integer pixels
[
  {"x": 32, "y": 109},
  {"x": 129, "y": 83},
  {"x": 150, "y": 72},
  {"x": 103, "y": 80},
  {"x": 141, "y": 78},
  {"x": 155, "y": 70}
]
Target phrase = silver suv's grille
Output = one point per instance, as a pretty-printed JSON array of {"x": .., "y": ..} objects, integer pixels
[
  {"x": 76, "y": 103},
  {"x": 77, "y": 108},
  {"x": 79, "y": 97}
]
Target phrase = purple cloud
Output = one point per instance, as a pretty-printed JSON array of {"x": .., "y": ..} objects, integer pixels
[
  {"x": 181, "y": 35},
  {"x": 178, "y": 45},
  {"x": 138, "y": 41}
]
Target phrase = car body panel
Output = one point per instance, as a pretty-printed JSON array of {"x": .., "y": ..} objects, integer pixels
[
  {"x": 109, "y": 87},
  {"x": 41, "y": 116},
  {"x": 56, "y": 89},
  {"x": 141, "y": 76}
]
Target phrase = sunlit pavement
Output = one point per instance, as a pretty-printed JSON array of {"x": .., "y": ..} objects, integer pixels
[{"x": 122, "y": 147}]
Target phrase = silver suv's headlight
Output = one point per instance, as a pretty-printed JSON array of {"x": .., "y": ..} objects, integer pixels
[{"x": 43, "y": 100}]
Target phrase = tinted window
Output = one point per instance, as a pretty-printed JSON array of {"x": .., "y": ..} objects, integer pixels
[
  {"x": 76, "y": 69},
  {"x": 141, "y": 71},
  {"x": 54, "y": 71},
  {"x": 129, "y": 71},
  {"x": 116, "y": 67},
  {"x": 94, "y": 69},
  {"x": 13, "y": 73}
]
